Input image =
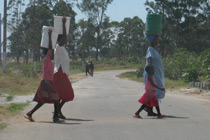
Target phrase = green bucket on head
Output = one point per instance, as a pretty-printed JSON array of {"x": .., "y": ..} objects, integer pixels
[{"x": 153, "y": 24}]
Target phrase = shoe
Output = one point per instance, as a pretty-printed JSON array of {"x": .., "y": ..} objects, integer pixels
[
  {"x": 60, "y": 115},
  {"x": 57, "y": 120},
  {"x": 137, "y": 116}
]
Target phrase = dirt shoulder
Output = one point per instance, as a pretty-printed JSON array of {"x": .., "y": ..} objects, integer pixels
[{"x": 195, "y": 93}]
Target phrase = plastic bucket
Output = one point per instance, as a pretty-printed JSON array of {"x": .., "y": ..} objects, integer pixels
[
  {"x": 45, "y": 37},
  {"x": 58, "y": 24},
  {"x": 153, "y": 24}
]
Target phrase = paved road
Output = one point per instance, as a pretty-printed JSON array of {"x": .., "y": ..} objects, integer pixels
[{"x": 103, "y": 110}]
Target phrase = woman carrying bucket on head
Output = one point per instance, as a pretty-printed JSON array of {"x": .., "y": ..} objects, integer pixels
[
  {"x": 61, "y": 71},
  {"x": 153, "y": 30}
]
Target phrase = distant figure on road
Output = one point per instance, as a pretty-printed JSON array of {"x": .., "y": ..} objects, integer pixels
[
  {"x": 87, "y": 68},
  {"x": 149, "y": 98},
  {"x": 91, "y": 68}
]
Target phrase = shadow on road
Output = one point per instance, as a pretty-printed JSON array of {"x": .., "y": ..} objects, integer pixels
[
  {"x": 62, "y": 123},
  {"x": 73, "y": 119},
  {"x": 176, "y": 117},
  {"x": 168, "y": 116}
]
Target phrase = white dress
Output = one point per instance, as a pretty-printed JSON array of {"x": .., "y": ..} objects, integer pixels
[{"x": 61, "y": 59}]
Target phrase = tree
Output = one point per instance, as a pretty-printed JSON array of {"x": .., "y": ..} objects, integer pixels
[
  {"x": 85, "y": 39},
  {"x": 63, "y": 8},
  {"x": 184, "y": 24},
  {"x": 130, "y": 40},
  {"x": 33, "y": 20},
  {"x": 95, "y": 10},
  {"x": 14, "y": 21}
]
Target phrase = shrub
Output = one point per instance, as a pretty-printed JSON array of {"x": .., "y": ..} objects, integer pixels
[
  {"x": 140, "y": 71},
  {"x": 179, "y": 62},
  {"x": 132, "y": 59},
  {"x": 191, "y": 73},
  {"x": 205, "y": 63}
]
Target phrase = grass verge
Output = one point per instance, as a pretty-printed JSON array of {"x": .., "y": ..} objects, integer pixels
[
  {"x": 12, "y": 109},
  {"x": 9, "y": 111},
  {"x": 2, "y": 126},
  {"x": 21, "y": 80}
]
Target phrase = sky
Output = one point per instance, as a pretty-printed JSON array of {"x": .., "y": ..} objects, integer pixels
[
  {"x": 117, "y": 10},
  {"x": 120, "y": 9}
]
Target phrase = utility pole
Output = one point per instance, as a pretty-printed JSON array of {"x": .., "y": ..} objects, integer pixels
[
  {"x": 34, "y": 49},
  {"x": 5, "y": 36},
  {"x": 0, "y": 41},
  {"x": 83, "y": 43}
]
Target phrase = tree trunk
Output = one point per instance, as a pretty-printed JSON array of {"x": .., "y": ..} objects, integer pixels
[
  {"x": 5, "y": 36},
  {"x": 26, "y": 56},
  {"x": 0, "y": 41},
  {"x": 97, "y": 44},
  {"x": 34, "y": 59},
  {"x": 18, "y": 59}
]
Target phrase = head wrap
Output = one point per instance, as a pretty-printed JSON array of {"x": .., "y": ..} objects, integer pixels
[{"x": 150, "y": 38}]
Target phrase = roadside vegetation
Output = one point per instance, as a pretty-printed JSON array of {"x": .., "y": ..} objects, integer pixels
[
  {"x": 8, "y": 111},
  {"x": 20, "y": 79}
]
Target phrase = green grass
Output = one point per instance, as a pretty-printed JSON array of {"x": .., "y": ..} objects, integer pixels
[
  {"x": 9, "y": 98},
  {"x": 12, "y": 109},
  {"x": 169, "y": 84},
  {"x": 15, "y": 108},
  {"x": 2, "y": 126},
  {"x": 9, "y": 111}
]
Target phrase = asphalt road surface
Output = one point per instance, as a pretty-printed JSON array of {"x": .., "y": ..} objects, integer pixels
[{"x": 103, "y": 109}]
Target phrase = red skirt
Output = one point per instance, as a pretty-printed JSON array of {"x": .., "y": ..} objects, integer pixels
[
  {"x": 63, "y": 86},
  {"x": 149, "y": 98},
  {"x": 46, "y": 93}
]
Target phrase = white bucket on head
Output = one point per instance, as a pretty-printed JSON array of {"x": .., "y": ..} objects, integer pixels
[
  {"x": 45, "y": 37},
  {"x": 58, "y": 24}
]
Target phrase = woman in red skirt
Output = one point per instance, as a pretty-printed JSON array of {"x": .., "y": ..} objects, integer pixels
[
  {"x": 61, "y": 72},
  {"x": 149, "y": 98},
  {"x": 46, "y": 92}
]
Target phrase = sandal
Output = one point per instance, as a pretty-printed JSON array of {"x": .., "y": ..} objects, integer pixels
[
  {"x": 29, "y": 117},
  {"x": 161, "y": 116},
  {"x": 137, "y": 116},
  {"x": 61, "y": 116},
  {"x": 57, "y": 120}
]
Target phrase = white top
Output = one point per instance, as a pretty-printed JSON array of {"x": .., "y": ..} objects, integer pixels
[{"x": 61, "y": 59}]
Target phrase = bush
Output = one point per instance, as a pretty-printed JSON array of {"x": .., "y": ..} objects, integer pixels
[
  {"x": 179, "y": 62},
  {"x": 191, "y": 73},
  {"x": 140, "y": 71},
  {"x": 133, "y": 59},
  {"x": 205, "y": 63}
]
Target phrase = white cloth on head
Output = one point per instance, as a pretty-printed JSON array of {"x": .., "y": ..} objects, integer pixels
[{"x": 61, "y": 59}]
